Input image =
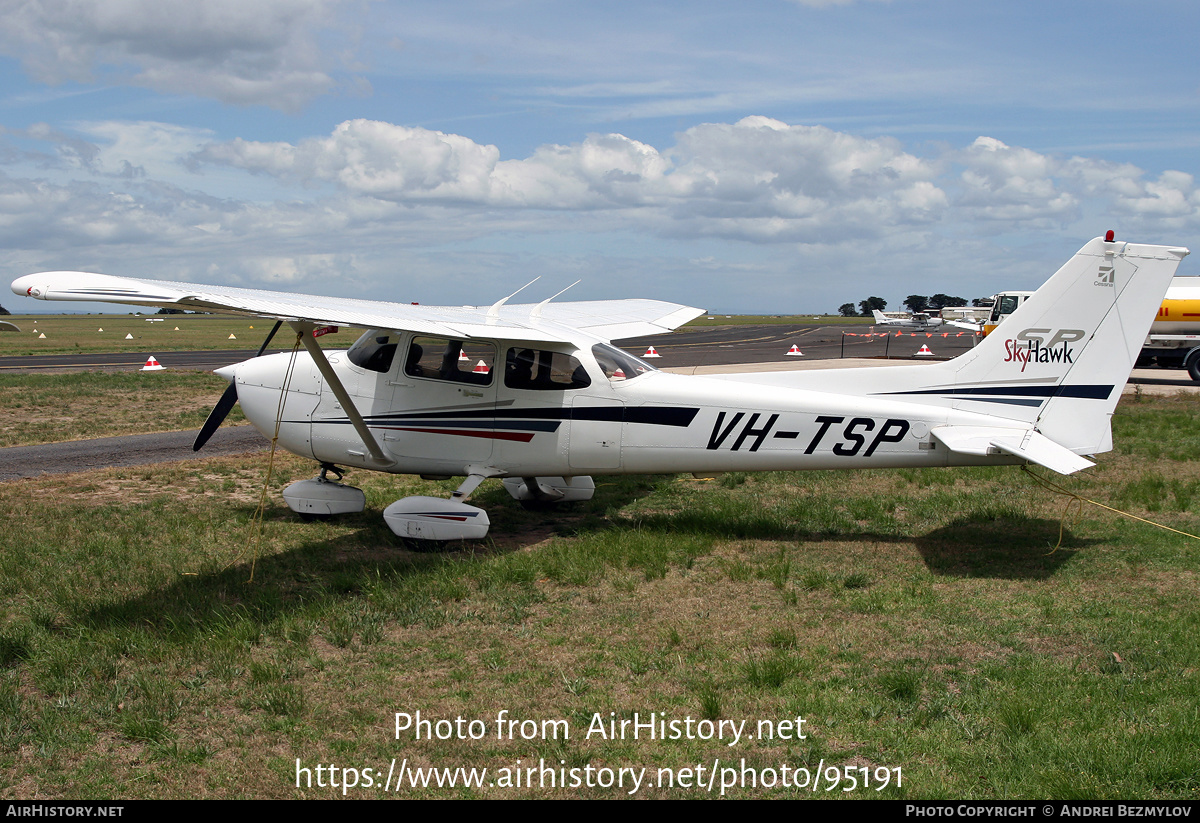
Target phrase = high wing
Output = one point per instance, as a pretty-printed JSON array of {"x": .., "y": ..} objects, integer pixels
[{"x": 542, "y": 322}]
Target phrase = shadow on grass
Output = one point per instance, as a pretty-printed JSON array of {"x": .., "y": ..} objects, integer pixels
[
  {"x": 1013, "y": 547},
  {"x": 370, "y": 565},
  {"x": 347, "y": 566}
]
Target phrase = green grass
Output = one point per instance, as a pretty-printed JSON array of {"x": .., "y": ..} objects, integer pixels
[
  {"x": 49, "y": 408},
  {"x": 915, "y": 620},
  {"x": 80, "y": 334}
]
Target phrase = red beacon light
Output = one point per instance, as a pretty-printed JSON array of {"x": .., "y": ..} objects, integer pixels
[{"x": 1110, "y": 236}]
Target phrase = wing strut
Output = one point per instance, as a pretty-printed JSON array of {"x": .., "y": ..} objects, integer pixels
[{"x": 339, "y": 391}]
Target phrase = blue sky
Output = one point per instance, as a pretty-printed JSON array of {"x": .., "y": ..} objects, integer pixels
[{"x": 779, "y": 156}]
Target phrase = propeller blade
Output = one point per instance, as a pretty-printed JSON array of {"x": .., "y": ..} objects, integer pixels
[
  {"x": 263, "y": 347},
  {"x": 220, "y": 411},
  {"x": 216, "y": 417}
]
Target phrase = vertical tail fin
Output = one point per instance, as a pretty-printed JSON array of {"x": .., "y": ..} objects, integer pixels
[
  {"x": 1060, "y": 360},
  {"x": 1056, "y": 364}
]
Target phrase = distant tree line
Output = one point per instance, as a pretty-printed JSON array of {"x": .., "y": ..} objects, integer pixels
[
  {"x": 865, "y": 307},
  {"x": 4, "y": 311},
  {"x": 915, "y": 303}
]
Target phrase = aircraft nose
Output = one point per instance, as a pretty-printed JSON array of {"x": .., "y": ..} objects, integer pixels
[{"x": 228, "y": 372}]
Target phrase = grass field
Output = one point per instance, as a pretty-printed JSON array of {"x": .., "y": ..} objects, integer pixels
[
  {"x": 81, "y": 333},
  {"x": 920, "y": 622},
  {"x": 51, "y": 408}
]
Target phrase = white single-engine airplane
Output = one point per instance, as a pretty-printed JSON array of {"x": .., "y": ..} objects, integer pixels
[
  {"x": 919, "y": 320},
  {"x": 908, "y": 320},
  {"x": 537, "y": 396}
]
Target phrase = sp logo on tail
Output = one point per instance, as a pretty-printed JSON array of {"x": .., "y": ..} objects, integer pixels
[{"x": 1042, "y": 346}]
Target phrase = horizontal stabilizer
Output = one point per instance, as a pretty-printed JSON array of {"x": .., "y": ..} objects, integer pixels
[{"x": 1024, "y": 443}]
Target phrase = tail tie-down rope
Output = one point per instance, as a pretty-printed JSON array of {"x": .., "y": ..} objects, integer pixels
[{"x": 1079, "y": 500}]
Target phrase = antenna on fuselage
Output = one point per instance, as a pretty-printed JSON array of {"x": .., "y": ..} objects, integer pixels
[
  {"x": 536, "y": 312},
  {"x": 494, "y": 311}
]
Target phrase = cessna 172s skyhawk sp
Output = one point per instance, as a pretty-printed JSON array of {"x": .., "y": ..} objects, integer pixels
[{"x": 537, "y": 396}]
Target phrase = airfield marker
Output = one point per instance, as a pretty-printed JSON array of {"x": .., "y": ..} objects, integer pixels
[
  {"x": 152, "y": 365},
  {"x": 650, "y": 352},
  {"x": 924, "y": 351},
  {"x": 480, "y": 368},
  {"x": 794, "y": 351},
  {"x": 231, "y": 337},
  {"x": 129, "y": 337}
]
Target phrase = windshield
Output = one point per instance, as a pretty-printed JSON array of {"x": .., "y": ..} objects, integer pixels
[
  {"x": 374, "y": 350},
  {"x": 618, "y": 365}
]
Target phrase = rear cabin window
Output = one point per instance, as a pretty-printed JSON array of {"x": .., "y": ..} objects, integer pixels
[
  {"x": 618, "y": 365},
  {"x": 540, "y": 370},
  {"x": 374, "y": 351},
  {"x": 458, "y": 361}
]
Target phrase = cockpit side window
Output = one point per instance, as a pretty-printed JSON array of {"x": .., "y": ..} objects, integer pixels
[
  {"x": 618, "y": 365},
  {"x": 458, "y": 361},
  {"x": 374, "y": 350},
  {"x": 540, "y": 370}
]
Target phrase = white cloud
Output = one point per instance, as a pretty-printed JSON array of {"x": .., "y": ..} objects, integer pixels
[
  {"x": 773, "y": 207},
  {"x": 263, "y": 52},
  {"x": 757, "y": 178},
  {"x": 371, "y": 158},
  {"x": 1019, "y": 187},
  {"x": 1012, "y": 185}
]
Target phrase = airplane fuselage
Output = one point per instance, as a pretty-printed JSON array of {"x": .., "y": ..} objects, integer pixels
[{"x": 652, "y": 422}]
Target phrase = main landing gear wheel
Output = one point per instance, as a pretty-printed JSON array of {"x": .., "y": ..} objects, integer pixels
[
  {"x": 435, "y": 518},
  {"x": 321, "y": 497},
  {"x": 542, "y": 493}
]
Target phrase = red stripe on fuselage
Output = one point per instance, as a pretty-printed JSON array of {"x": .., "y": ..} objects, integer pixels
[{"x": 520, "y": 437}]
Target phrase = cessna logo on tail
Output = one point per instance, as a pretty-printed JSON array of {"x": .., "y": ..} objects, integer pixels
[
  {"x": 1106, "y": 277},
  {"x": 1042, "y": 346}
]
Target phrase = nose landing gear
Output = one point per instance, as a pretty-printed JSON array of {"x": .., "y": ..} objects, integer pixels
[{"x": 322, "y": 497}]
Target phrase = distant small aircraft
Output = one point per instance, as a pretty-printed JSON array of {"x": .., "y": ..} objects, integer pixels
[
  {"x": 536, "y": 395},
  {"x": 920, "y": 320},
  {"x": 907, "y": 320}
]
